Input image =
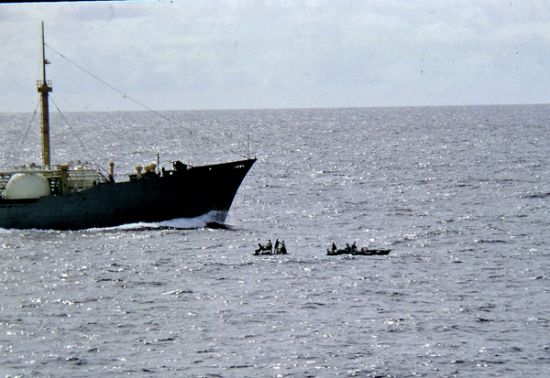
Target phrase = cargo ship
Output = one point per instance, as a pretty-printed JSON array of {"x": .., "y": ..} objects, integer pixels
[{"x": 73, "y": 197}]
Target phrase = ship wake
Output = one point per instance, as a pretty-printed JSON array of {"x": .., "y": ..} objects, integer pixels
[{"x": 212, "y": 219}]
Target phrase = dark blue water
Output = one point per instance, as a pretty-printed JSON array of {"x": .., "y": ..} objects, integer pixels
[{"x": 460, "y": 194}]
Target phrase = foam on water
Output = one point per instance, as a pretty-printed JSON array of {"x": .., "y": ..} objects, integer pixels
[{"x": 211, "y": 218}]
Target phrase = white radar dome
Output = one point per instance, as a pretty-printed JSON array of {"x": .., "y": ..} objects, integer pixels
[{"x": 26, "y": 186}]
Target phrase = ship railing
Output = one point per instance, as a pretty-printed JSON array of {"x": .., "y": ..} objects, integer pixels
[
  {"x": 80, "y": 179},
  {"x": 40, "y": 83},
  {"x": 4, "y": 178}
]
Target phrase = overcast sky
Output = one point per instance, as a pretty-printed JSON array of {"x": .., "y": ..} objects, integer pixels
[{"x": 278, "y": 54}]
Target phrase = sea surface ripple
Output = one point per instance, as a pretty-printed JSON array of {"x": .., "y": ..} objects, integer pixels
[{"x": 460, "y": 194}]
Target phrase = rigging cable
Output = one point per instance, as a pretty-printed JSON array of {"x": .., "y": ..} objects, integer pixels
[
  {"x": 71, "y": 128},
  {"x": 30, "y": 123},
  {"x": 101, "y": 169},
  {"x": 124, "y": 95}
]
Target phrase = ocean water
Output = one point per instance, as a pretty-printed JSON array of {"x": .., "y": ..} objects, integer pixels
[{"x": 459, "y": 194}]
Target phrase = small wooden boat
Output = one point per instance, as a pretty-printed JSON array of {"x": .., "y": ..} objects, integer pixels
[
  {"x": 266, "y": 250},
  {"x": 368, "y": 252},
  {"x": 364, "y": 251},
  {"x": 268, "y": 253}
]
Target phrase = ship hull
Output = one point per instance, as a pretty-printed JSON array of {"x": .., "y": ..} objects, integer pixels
[{"x": 185, "y": 194}]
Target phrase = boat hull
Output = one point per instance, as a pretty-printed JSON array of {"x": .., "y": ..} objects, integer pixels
[
  {"x": 185, "y": 194},
  {"x": 362, "y": 252}
]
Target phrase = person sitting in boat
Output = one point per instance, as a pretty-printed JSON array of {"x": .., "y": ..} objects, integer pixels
[
  {"x": 354, "y": 247},
  {"x": 269, "y": 246},
  {"x": 276, "y": 245},
  {"x": 334, "y": 248},
  {"x": 260, "y": 249},
  {"x": 348, "y": 248}
]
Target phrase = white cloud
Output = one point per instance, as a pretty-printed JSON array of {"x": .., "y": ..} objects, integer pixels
[{"x": 243, "y": 54}]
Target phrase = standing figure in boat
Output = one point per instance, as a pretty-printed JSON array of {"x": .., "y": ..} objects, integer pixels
[{"x": 280, "y": 249}]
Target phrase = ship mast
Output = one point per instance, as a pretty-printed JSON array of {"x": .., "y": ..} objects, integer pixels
[{"x": 44, "y": 87}]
